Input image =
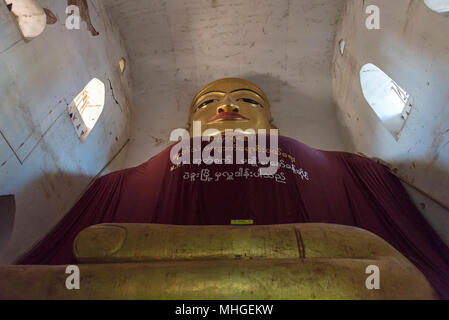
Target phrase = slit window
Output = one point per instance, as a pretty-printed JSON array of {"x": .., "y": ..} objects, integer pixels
[
  {"x": 29, "y": 15},
  {"x": 440, "y": 6},
  {"x": 86, "y": 108},
  {"x": 391, "y": 103}
]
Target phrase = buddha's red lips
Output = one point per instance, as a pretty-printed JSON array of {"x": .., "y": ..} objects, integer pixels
[{"x": 227, "y": 116}]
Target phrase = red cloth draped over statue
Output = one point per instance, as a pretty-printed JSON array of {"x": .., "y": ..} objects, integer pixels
[{"x": 310, "y": 186}]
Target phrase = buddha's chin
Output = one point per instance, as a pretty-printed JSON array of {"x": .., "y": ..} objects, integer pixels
[
  {"x": 220, "y": 127},
  {"x": 232, "y": 125}
]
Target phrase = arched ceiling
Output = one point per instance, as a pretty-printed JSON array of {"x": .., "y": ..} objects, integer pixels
[{"x": 177, "y": 46}]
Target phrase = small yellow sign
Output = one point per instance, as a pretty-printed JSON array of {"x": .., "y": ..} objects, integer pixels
[{"x": 242, "y": 222}]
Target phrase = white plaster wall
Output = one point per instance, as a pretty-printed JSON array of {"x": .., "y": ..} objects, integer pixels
[
  {"x": 178, "y": 46},
  {"x": 412, "y": 47},
  {"x": 42, "y": 161}
]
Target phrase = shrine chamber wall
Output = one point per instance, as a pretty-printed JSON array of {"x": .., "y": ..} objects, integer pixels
[
  {"x": 412, "y": 47},
  {"x": 42, "y": 161}
]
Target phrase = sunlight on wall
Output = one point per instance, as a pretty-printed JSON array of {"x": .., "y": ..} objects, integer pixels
[
  {"x": 86, "y": 108},
  {"x": 122, "y": 65},
  {"x": 388, "y": 100},
  {"x": 438, "y": 5},
  {"x": 30, "y": 17}
]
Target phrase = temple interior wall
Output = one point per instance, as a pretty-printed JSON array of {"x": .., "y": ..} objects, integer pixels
[
  {"x": 412, "y": 47},
  {"x": 42, "y": 161}
]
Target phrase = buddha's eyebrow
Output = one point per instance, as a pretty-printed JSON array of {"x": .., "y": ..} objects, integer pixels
[
  {"x": 215, "y": 91},
  {"x": 249, "y": 91}
]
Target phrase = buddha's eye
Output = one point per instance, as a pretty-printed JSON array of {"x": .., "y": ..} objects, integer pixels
[
  {"x": 251, "y": 101},
  {"x": 205, "y": 103}
]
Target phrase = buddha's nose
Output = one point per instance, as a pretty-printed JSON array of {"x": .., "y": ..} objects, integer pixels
[{"x": 228, "y": 105}]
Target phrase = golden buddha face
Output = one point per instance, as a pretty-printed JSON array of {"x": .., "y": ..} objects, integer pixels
[{"x": 231, "y": 103}]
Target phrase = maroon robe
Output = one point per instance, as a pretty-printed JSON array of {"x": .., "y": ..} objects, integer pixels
[{"x": 310, "y": 186}]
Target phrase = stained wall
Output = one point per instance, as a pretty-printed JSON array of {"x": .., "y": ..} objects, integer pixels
[
  {"x": 42, "y": 161},
  {"x": 412, "y": 47}
]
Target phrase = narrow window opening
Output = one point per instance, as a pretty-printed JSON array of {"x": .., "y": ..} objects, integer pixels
[
  {"x": 341, "y": 46},
  {"x": 30, "y": 17},
  {"x": 122, "y": 65},
  {"x": 391, "y": 103},
  {"x": 86, "y": 108},
  {"x": 440, "y": 6}
]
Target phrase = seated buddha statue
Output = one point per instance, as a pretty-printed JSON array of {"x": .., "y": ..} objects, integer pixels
[{"x": 321, "y": 225}]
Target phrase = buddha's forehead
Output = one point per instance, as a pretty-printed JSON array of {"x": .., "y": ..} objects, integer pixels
[{"x": 229, "y": 85}]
